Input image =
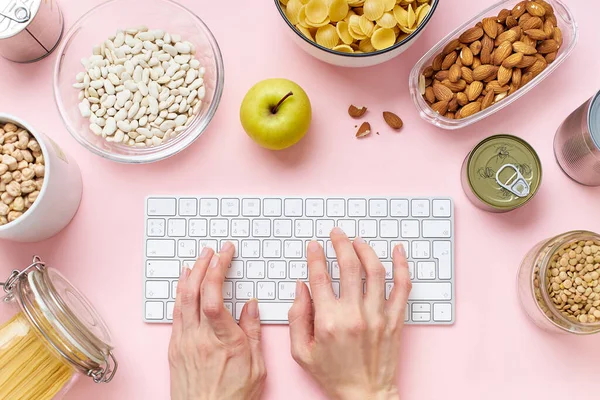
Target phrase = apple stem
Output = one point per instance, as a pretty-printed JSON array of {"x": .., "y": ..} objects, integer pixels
[{"x": 276, "y": 108}]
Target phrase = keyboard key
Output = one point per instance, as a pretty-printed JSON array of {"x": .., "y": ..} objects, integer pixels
[
  {"x": 336, "y": 207},
  {"x": 421, "y": 317},
  {"x": 189, "y": 264},
  {"x": 272, "y": 207},
  {"x": 282, "y": 228},
  {"x": 244, "y": 290},
  {"x": 266, "y": 291},
  {"x": 421, "y": 307},
  {"x": 420, "y": 249},
  {"x": 176, "y": 227},
  {"x": 227, "y": 290},
  {"x": 419, "y": 208},
  {"x": 160, "y": 248},
  {"x": 219, "y": 227},
  {"x": 329, "y": 250},
  {"x": 287, "y": 290},
  {"x": 272, "y": 312},
  {"x": 293, "y": 249},
  {"x": 378, "y": 208},
  {"x": 155, "y": 310},
  {"x": 251, "y": 207},
  {"x": 399, "y": 208},
  {"x": 409, "y": 228},
  {"x": 380, "y": 247},
  {"x": 304, "y": 228},
  {"x": 293, "y": 207},
  {"x": 388, "y": 228},
  {"x": 170, "y": 308},
  {"x": 442, "y": 312},
  {"x": 357, "y": 208},
  {"x": 261, "y": 227},
  {"x": 255, "y": 269},
  {"x": 161, "y": 206},
  {"x": 235, "y": 270},
  {"x": 209, "y": 207},
  {"x": 436, "y": 228},
  {"x": 155, "y": 227},
  {"x": 406, "y": 313},
  {"x": 367, "y": 228},
  {"x": 324, "y": 227},
  {"x": 250, "y": 248},
  {"x": 298, "y": 270},
  {"x": 186, "y": 248},
  {"x": 411, "y": 270},
  {"x": 272, "y": 249},
  {"x": 335, "y": 286},
  {"x": 442, "y": 250},
  {"x": 157, "y": 289},
  {"x": 240, "y": 227},
  {"x": 315, "y": 208},
  {"x": 431, "y": 291},
  {"x": 348, "y": 226},
  {"x": 389, "y": 269},
  {"x": 276, "y": 269},
  {"x": 230, "y": 207},
  {"x": 188, "y": 207},
  {"x": 389, "y": 286},
  {"x": 426, "y": 270},
  {"x": 335, "y": 270},
  {"x": 442, "y": 208},
  {"x": 197, "y": 228},
  {"x": 404, "y": 243},
  {"x": 162, "y": 269},
  {"x": 202, "y": 243},
  {"x": 229, "y": 307}
]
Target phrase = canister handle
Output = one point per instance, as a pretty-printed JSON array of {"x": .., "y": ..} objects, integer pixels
[
  {"x": 16, "y": 275},
  {"x": 519, "y": 187},
  {"x": 20, "y": 13}
]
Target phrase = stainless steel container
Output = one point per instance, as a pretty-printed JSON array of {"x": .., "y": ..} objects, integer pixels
[
  {"x": 577, "y": 143},
  {"x": 29, "y": 29}
]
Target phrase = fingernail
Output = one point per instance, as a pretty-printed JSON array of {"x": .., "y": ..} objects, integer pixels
[
  {"x": 253, "y": 308},
  {"x": 214, "y": 262},
  {"x": 185, "y": 272},
  {"x": 205, "y": 252},
  {"x": 226, "y": 246},
  {"x": 314, "y": 246},
  {"x": 400, "y": 249},
  {"x": 338, "y": 231},
  {"x": 359, "y": 240}
]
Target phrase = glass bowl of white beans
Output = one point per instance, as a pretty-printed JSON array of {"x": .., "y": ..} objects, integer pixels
[{"x": 137, "y": 82}]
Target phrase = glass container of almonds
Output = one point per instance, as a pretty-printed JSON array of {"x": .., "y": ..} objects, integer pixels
[{"x": 559, "y": 283}]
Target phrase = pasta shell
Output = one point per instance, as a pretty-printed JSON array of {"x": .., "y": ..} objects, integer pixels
[
  {"x": 356, "y": 3},
  {"x": 293, "y": 10},
  {"x": 305, "y": 2},
  {"x": 387, "y": 20},
  {"x": 365, "y": 46},
  {"x": 342, "y": 31},
  {"x": 383, "y": 38},
  {"x": 316, "y": 11},
  {"x": 302, "y": 18},
  {"x": 389, "y": 4},
  {"x": 412, "y": 17},
  {"x": 350, "y": 13},
  {"x": 327, "y": 36},
  {"x": 408, "y": 30},
  {"x": 305, "y": 32},
  {"x": 344, "y": 48},
  {"x": 401, "y": 15},
  {"x": 373, "y": 9},
  {"x": 423, "y": 10},
  {"x": 317, "y": 25},
  {"x": 366, "y": 26},
  {"x": 338, "y": 9}
]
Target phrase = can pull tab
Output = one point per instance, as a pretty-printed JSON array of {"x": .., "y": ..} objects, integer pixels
[
  {"x": 18, "y": 12},
  {"x": 515, "y": 183}
]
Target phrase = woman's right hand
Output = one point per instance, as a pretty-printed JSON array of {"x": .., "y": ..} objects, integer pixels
[{"x": 351, "y": 345}]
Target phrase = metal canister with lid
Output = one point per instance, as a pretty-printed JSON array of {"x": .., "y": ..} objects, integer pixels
[
  {"x": 577, "y": 143},
  {"x": 29, "y": 29},
  {"x": 502, "y": 173}
]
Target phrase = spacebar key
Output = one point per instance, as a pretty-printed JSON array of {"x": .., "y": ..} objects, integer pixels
[
  {"x": 430, "y": 291},
  {"x": 274, "y": 312}
]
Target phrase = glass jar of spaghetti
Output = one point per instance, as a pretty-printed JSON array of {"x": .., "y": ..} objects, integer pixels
[{"x": 49, "y": 337}]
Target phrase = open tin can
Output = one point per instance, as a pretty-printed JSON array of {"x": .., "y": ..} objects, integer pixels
[
  {"x": 501, "y": 173},
  {"x": 29, "y": 29}
]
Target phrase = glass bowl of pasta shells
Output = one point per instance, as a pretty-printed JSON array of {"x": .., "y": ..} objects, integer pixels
[{"x": 356, "y": 33}]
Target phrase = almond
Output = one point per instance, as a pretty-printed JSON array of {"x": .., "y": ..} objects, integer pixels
[
  {"x": 469, "y": 109},
  {"x": 484, "y": 71},
  {"x": 455, "y": 73},
  {"x": 474, "y": 90},
  {"x": 455, "y": 87},
  {"x": 547, "y": 46},
  {"x": 364, "y": 130},
  {"x": 356, "y": 112},
  {"x": 536, "y": 34},
  {"x": 428, "y": 72},
  {"x": 475, "y": 47},
  {"x": 558, "y": 36},
  {"x": 466, "y": 56},
  {"x": 520, "y": 47},
  {"x": 528, "y": 41},
  {"x": 485, "y": 56},
  {"x": 509, "y": 35},
  {"x": 449, "y": 115},
  {"x": 452, "y": 46},
  {"x": 537, "y": 67},
  {"x": 519, "y": 9},
  {"x": 500, "y": 96},
  {"x": 487, "y": 43},
  {"x": 476, "y": 62},
  {"x": 512, "y": 60},
  {"x": 526, "y": 62},
  {"x": 467, "y": 74},
  {"x": 546, "y": 5},
  {"x": 471, "y": 35},
  {"x": 516, "y": 77},
  {"x": 490, "y": 27},
  {"x": 511, "y": 21},
  {"x": 449, "y": 60},
  {"x": 526, "y": 78},
  {"x": 502, "y": 15},
  {"x": 535, "y": 9},
  {"x": 392, "y": 120},
  {"x": 437, "y": 62},
  {"x": 453, "y": 104},
  {"x": 552, "y": 19},
  {"x": 502, "y": 52},
  {"x": 429, "y": 96},
  {"x": 550, "y": 57},
  {"x": 441, "y": 75},
  {"x": 488, "y": 100},
  {"x": 462, "y": 98},
  {"x": 513, "y": 88},
  {"x": 441, "y": 107},
  {"x": 496, "y": 87},
  {"x": 504, "y": 75},
  {"x": 531, "y": 23},
  {"x": 442, "y": 92}
]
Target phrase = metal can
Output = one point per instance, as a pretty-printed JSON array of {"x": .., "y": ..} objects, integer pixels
[
  {"x": 29, "y": 29},
  {"x": 577, "y": 143},
  {"x": 501, "y": 173}
]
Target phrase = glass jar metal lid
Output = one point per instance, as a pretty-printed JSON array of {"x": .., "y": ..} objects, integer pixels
[
  {"x": 504, "y": 172},
  {"x": 64, "y": 318}
]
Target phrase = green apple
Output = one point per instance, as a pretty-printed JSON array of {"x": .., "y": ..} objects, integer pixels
[{"x": 276, "y": 113}]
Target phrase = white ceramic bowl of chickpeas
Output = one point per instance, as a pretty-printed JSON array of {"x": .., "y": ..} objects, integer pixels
[{"x": 356, "y": 33}]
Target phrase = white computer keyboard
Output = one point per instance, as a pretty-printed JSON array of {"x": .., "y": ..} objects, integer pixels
[{"x": 271, "y": 234}]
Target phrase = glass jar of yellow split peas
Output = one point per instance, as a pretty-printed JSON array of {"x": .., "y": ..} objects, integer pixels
[{"x": 50, "y": 336}]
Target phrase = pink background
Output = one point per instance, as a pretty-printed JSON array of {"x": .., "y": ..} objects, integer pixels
[{"x": 493, "y": 351}]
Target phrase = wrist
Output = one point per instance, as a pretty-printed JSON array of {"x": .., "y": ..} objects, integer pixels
[{"x": 362, "y": 394}]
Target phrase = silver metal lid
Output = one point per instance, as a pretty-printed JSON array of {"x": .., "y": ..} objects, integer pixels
[
  {"x": 594, "y": 120},
  {"x": 15, "y": 15}
]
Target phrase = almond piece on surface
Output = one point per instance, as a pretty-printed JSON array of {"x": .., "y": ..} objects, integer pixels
[
  {"x": 392, "y": 120},
  {"x": 356, "y": 112},
  {"x": 364, "y": 130}
]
